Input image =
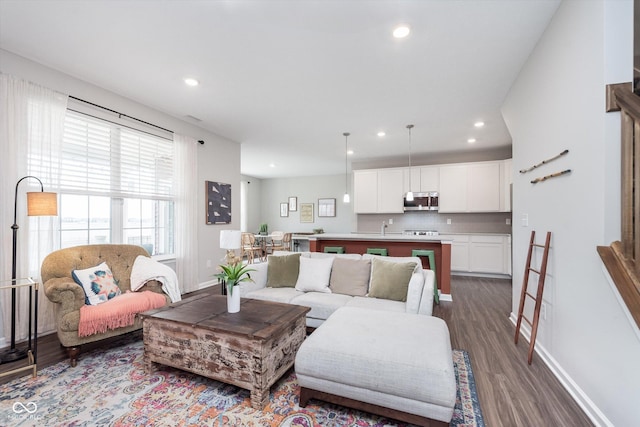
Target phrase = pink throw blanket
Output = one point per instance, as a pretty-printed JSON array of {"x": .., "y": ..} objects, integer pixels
[{"x": 117, "y": 312}]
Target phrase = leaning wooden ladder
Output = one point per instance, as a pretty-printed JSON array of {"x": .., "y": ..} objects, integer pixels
[{"x": 542, "y": 273}]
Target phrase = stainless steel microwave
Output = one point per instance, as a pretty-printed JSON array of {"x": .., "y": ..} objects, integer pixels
[{"x": 422, "y": 202}]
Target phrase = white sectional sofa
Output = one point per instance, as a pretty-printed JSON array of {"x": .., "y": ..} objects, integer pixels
[{"x": 326, "y": 282}]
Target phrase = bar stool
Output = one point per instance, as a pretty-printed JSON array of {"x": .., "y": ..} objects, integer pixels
[
  {"x": 431, "y": 256},
  {"x": 334, "y": 249},
  {"x": 377, "y": 251}
]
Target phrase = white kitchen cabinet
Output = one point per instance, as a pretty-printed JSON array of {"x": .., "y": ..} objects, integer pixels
[
  {"x": 470, "y": 187},
  {"x": 378, "y": 191},
  {"x": 487, "y": 254},
  {"x": 390, "y": 190},
  {"x": 429, "y": 178},
  {"x": 365, "y": 191},
  {"x": 506, "y": 177},
  {"x": 480, "y": 253},
  {"x": 411, "y": 183},
  {"x": 453, "y": 188},
  {"x": 483, "y": 187},
  {"x": 460, "y": 253}
]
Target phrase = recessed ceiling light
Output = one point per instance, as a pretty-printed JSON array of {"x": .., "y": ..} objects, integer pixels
[
  {"x": 381, "y": 134},
  {"x": 478, "y": 124},
  {"x": 189, "y": 81},
  {"x": 272, "y": 165},
  {"x": 349, "y": 152},
  {"x": 471, "y": 140},
  {"x": 401, "y": 32}
]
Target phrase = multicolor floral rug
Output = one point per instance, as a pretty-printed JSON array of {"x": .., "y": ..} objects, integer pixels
[{"x": 110, "y": 388}]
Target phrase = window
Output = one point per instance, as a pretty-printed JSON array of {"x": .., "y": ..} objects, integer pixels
[{"x": 115, "y": 185}]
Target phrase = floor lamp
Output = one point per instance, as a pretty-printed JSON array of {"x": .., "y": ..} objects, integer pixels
[{"x": 38, "y": 204}]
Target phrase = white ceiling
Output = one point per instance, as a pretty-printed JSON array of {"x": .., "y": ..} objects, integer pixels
[{"x": 287, "y": 78}]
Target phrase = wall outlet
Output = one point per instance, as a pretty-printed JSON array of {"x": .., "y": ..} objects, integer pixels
[
  {"x": 448, "y": 220},
  {"x": 390, "y": 221},
  {"x": 208, "y": 263},
  {"x": 525, "y": 220},
  {"x": 543, "y": 311},
  {"x": 508, "y": 221}
]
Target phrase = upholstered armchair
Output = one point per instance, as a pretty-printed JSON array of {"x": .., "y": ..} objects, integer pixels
[{"x": 69, "y": 297}]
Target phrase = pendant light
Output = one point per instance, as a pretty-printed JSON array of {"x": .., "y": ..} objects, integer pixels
[
  {"x": 409, "y": 195},
  {"x": 346, "y": 198}
]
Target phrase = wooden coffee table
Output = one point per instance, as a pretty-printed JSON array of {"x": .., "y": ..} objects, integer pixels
[{"x": 251, "y": 349}]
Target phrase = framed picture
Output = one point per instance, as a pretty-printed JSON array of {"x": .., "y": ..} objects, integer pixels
[
  {"x": 306, "y": 212},
  {"x": 218, "y": 200},
  {"x": 284, "y": 209},
  {"x": 326, "y": 207},
  {"x": 293, "y": 204}
]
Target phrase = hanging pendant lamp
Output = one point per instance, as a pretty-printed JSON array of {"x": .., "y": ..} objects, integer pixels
[
  {"x": 409, "y": 195},
  {"x": 346, "y": 198}
]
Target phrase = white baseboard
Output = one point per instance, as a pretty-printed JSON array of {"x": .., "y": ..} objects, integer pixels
[
  {"x": 3, "y": 342},
  {"x": 207, "y": 284},
  {"x": 445, "y": 297},
  {"x": 581, "y": 398}
]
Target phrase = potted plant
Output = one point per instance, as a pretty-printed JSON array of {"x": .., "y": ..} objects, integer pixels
[
  {"x": 264, "y": 229},
  {"x": 233, "y": 275}
]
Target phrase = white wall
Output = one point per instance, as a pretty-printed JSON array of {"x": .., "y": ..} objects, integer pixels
[
  {"x": 307, "y": 190},
  {"x": 253, "y": 206},
  {"x": 558, "y": 103},
  {"x": 218, "y": 158}
]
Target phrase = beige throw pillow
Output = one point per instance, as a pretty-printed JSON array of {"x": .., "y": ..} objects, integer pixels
[
  {"x": 350, "y": 276},
  {"x": 282, "y": 271},
  {"x": 390, "y": 280}
]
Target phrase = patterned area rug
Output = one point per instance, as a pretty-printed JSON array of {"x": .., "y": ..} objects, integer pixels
[{"x": 110, "y": 388}]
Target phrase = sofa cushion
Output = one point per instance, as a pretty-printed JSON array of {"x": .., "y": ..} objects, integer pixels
[
  {"x": 322, "y": 305},
  {"x": 285, "y": 295},
  {"x": 377, "y": 304},
  {"x": 314, "y": 275},
  {"x": 350, "y": 276},
  {"x": 390, "y": 280},
  {"x": 282, "y": 271},
  {"x": 414, "y": 292},
  {"x": 98, "y": 283}
]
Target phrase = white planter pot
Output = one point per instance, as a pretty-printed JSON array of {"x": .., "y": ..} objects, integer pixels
[{"x": 233, "y": 300}]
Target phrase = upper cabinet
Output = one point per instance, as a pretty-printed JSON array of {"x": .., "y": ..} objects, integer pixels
[
  {"x": 463, "y": 187},
  {"x": 378, "y": 191},
  {"x": 471, "y": 187}
]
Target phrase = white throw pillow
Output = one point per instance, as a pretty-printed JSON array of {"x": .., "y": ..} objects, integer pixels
[
  {"x": 98, "y": 283},
  {"x": 314, "y": 275}
]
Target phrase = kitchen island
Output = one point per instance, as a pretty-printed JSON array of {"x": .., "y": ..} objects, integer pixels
[{"x": 396, "y": 245}]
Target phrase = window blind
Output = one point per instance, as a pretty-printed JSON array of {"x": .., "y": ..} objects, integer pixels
[{"x": 101, "y": 158}]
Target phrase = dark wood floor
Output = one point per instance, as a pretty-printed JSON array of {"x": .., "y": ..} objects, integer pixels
[{"x": 511, "y": 393}]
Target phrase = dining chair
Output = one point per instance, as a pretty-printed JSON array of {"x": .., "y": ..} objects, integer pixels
[
  {"x": 276, "y": 243},
  {"x": 250, "y": 247}
]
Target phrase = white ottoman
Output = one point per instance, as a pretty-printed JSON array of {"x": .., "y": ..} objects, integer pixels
[{"x": 396, "y": 365}]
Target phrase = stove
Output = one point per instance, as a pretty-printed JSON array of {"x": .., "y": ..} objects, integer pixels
[{"x": 420, "y": 232}]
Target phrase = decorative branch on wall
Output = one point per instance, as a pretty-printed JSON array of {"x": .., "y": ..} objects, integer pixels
[
  {"x": 218, "y": 202},
  {"x": 544, "y": 162},
  {"x": 553, "y": 175}
]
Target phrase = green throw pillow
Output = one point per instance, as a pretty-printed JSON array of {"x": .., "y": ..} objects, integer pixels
[
  {"x": 390, "y": 280},
  {"x": 282, "y": 271}
]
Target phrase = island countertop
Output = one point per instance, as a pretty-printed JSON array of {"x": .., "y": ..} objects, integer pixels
[{"x": 388, "y": 237}]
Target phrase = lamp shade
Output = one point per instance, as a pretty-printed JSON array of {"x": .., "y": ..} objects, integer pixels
[
  {"x": 40, "y": 203},
  {"x": 230, "y": 239}
]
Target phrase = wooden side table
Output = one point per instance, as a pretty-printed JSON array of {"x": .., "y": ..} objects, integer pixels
[{"x": 33, "y": 321}]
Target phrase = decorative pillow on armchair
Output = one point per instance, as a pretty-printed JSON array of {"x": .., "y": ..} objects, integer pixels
[{"x": 98, "y": 283}]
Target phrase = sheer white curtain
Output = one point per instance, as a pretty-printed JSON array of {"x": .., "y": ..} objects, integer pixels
[
  {"x": 31, "y": 125},
  {"x": 186, "y": 210}
]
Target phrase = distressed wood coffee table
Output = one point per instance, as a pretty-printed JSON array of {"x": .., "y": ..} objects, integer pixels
[{"x": 251, "y": 349}]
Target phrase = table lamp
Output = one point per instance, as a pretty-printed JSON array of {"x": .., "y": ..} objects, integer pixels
[
  {"x": 39, "y": 203},
  {"x": 231, "y": 240}
]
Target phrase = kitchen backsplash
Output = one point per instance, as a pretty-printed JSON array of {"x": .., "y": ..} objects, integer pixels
[{"x": 460, "y": 222}]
